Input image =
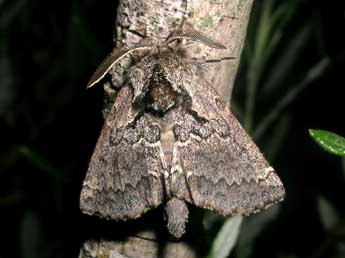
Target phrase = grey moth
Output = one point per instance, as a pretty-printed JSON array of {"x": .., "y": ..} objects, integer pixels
[{"x": 169, "y": 138}]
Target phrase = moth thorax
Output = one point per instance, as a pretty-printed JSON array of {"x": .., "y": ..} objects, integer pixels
[{"x": 160, "y": 96}]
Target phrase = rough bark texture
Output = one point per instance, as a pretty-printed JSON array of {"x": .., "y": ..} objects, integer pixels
[{"x": 226, "y": 21}]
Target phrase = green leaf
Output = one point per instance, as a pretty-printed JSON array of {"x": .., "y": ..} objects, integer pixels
[
  {"x": 39, "y": 161},
  {"x": 251, "y": 229},
  {"x": 226, "y": 238},
  {"x": 329, "y": 141},
  {"x": 313, "y": 74},
  {"x": 328, "y": 215},
  {"x": 31, "y": 236},
  {"x": 288, "y": 59}
]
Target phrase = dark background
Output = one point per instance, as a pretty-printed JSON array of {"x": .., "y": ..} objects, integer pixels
[{"x": 49, "y": 124}]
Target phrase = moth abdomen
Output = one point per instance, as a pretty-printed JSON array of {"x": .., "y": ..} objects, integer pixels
[{"x": 177, "y": 216}]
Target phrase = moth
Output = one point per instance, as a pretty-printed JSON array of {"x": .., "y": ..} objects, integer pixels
[{"x": 169, "y": 138}]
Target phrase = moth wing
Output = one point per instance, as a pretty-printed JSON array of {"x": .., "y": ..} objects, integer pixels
[
  {"x": 216, "y": 165},
  {"x": 123, "y": 179}
]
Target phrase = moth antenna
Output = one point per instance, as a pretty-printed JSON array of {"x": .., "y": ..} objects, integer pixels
[
  {"x": 188, "y": 32},
  {"x": 116, "y": 55}
]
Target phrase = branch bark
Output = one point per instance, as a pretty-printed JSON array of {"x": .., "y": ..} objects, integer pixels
[{"x": 223, "y": 20}]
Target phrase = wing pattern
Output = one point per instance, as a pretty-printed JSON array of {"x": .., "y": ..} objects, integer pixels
[
  {"x": 124, "y": 176},
  {"x": 215, "y": 163}
]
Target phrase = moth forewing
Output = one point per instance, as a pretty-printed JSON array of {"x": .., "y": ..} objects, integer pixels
[
  {"x": 224, "y": 169},
  {"x": 122, "y": 181}
]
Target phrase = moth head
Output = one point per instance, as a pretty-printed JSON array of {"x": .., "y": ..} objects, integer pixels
[{"x": 185, "y": 32}]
